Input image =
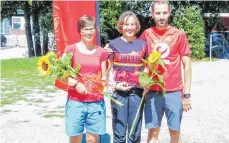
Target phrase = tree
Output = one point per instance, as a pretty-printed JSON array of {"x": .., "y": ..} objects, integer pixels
[
  {"x": 35, "y": 9},
  {"x": 189, "y": 19},
  {"x": 109, "y": 13},
  {"x": 42, "y": 18},
  {"x": 46, "y": 23},
  {"x": 28, "y": 30}
]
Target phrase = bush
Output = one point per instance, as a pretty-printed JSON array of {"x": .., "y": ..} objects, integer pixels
[{"x": 190, "y": 20}]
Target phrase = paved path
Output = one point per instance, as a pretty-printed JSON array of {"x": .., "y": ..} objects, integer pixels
[{"x": 10, "y": 52}]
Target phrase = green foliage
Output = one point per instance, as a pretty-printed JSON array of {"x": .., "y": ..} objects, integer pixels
[
  {"x": 109, "y": 13},
  {"x": 46, "y": 23},
  {"x": 145, "y": 79},
  {"x": 190, "y": 20},
  {"x": 60, "y": 68}
]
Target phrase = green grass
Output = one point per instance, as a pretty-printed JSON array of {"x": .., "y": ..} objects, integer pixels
[
  {"x": 20, "y": 77},
  {"x": 53, "y": 115},
  {"x": 6, "y": 111},
  {"x": 204, "y": 60}
]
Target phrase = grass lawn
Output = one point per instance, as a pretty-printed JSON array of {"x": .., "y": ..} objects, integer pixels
[{"x": 19, "y": 77}]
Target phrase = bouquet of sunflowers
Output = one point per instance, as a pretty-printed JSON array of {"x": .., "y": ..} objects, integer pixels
[
  {"x": 60, "y": 68},
  {"x": 154, "y": 76}
]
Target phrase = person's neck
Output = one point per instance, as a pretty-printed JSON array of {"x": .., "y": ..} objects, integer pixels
[
  {"x": 88, "y": 45},
  {"x": 162, "y": 28},
  {"x": 128, "y": 38}
]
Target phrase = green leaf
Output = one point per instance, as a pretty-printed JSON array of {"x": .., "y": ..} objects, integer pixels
[
  {"x": 144, "y": 79},
  {"x": 160, "y": 78}
]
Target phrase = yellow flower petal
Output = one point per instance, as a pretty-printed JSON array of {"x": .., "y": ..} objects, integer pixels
[
  {"x": 153, "y": 57},
  {"x": 43, "y": 65}
]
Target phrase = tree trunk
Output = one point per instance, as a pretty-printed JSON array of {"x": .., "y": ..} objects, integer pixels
[
  {"x": 28, "y": 30},
  {"x": 45, "y": 43},
  {"x": 36, "y": 29}
]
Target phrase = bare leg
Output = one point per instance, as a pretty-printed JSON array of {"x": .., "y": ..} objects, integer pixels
[
  {"x": 153, "y": 135},
  {"x": 92, "y": 138},
  {"x": 75, "y": 139},
  {"x": 174, "y": 136}
]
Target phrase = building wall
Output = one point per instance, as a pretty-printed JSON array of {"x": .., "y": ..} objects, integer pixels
[{"x": 18, "y": 25}]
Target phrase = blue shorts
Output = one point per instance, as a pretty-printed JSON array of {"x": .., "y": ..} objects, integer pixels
[
  {"x": 156, "y": 105},
  {"x": 91, "y": 115}
]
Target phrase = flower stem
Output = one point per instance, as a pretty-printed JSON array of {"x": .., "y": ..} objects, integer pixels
[
  {"x": 137, "y": 114},
  {"x": 112, "y": 99}
]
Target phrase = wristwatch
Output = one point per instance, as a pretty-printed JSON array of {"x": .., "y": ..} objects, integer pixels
[{"x": 186, "y": 95}]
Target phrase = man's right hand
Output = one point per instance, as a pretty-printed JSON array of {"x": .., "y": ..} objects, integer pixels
[{"x": 80, "y": 88}]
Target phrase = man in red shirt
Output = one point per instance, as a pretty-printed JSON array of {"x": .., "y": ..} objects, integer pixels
[{"x": 174, "y": 47}]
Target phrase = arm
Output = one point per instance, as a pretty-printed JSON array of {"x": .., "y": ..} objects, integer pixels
[
  {"x": 187, "y": 82},
  {"x": 186, "y": 60},
  {"x": 105, "y": 71}
]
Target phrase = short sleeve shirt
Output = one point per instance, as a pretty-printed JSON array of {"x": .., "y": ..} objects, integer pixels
[
  {"x": 127, "y": 60},
  {"x": 173, "y": 44},
  {"x": 90, "y": 69}
]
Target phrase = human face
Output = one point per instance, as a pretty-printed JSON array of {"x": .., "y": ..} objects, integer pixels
[
  {"x": 161, "y": 14},
  {"x": 87, "y": 33},
  {"x": 129, "y": 27}
]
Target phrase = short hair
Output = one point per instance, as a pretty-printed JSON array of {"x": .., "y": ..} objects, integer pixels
[
  {"x": 123, "y": 17},
  {"x": 85, "y": 21},
  {"x": 159, "y": 2}
]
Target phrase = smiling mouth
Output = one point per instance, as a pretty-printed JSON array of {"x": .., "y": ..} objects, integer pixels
[
  {"x": 162, "y": 21},
  {"x": 130, "y": 31}
]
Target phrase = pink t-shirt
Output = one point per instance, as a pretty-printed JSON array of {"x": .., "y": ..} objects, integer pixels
[
  {"x": 90, "y": 71},
  {"x": 173, "y": 44}
]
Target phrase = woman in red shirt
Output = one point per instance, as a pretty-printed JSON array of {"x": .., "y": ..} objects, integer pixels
[{"x": 85, "y": 107}]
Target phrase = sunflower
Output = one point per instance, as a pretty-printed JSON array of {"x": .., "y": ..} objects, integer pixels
[
  {"x": 153, "y": 57},
  {"x": 51, "y": 57},
  {"x": 51, "y": 54},
  {"x": 43, "y": 65}
]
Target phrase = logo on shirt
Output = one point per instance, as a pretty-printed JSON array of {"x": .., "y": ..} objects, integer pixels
[
  {"x": 164, "y": 49},
  {"x": 133, "y": 57}
]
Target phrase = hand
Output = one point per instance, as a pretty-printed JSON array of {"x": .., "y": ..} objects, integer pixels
[
  {"x": 71, "y": 81},
  {"x": 107, "y": 49},
  {"x": 146, "y": 89},
  {"x": 104, "y": 81},
  {"x": 123, "y": 86},
  {"x": 186, "y": 104},
  {"x": 80, "y": 88}
]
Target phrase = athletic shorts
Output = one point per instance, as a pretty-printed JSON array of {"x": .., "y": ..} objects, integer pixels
[
  {"x": 88, "y": 115},
  {"x": 156, "y": 105}
]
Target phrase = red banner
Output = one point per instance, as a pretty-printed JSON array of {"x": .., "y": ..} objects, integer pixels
[{"x": 65, "y": 17}]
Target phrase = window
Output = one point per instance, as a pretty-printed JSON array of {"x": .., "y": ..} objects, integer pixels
[{"x": 16, "y": 22}]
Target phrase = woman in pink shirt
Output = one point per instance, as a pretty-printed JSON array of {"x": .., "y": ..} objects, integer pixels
[{"x": 85, "y": 107}]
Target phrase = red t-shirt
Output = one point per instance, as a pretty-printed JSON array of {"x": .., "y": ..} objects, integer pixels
[
  {"x": 173, "y": 44},
  {"x": 90, "y": 71}
]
